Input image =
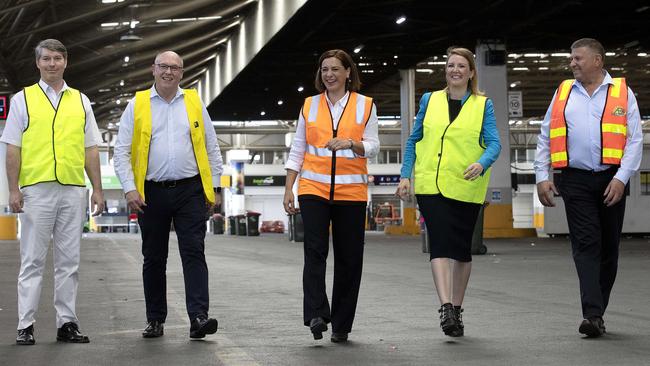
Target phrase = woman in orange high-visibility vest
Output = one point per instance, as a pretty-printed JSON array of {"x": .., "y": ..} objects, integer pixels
[{"x": 337, "y": 132}]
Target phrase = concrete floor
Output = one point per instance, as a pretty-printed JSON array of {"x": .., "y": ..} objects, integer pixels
[{"x": 521, "y": 308}]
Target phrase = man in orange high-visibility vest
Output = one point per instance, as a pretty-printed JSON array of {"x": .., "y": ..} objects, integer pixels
[{"x": 592, "y": 133}]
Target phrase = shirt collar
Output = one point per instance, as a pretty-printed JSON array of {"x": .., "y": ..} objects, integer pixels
[
  {"x": 607, "y": 79},
  {"x": 341, "y": 102},
  {"x": 47, "y": 88},
  {"x": 154, "y": 92}
]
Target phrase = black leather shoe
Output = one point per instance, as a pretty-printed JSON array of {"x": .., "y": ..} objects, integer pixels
[
  {"x": 203, "y": 325},
  {"x": 458, "y": 313},
  {"x": 70, "y": 333},
  {"x": 339, "y": 337},
  {"x": 317, "y": 327},
  {"x": 26, "y": 336},
  {"x": 592, "y": 327},
  {"x": 154, "y": 329},
  {"x": 448, "y": 321}
]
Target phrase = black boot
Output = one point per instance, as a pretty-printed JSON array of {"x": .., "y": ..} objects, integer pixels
[
  {"x": 458, "y": 313},
  {"x": 448, "y": 321}
]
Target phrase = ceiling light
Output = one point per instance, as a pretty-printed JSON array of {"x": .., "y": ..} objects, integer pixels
[
  {"x": 300, "y": 88},
  {"x": 400, "y": 20},
  {"x": 542, "y": 68},
  {"x": 642, "y": 54},
  {"x": 163, "y": 21},
  {"x": 280, "y": 102},
  {"x": 520, "y": 68},
  {"x": 121, "y": 83},
  {"x": 130, "y": 36},
  {"x": 110, "y": 24},
  {"x": 395, "y": 56},
  {"x": 262, "y": 113},
  {"x": 561, "y": 54},
  {"x": 429, "y": 71},
  {"x": 609, "y": 54},
  {"x": 118, "y": 101},
  {"x": 133, "y": 23},
  {"x": 126, "y": 58},
  {"x": 358, "y": 48}
]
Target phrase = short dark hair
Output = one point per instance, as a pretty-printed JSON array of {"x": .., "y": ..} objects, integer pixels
[
  {"x": 353, "y": 83},
  {"x": 592, "y": 44},
  {"x": 52, "y": 45}
]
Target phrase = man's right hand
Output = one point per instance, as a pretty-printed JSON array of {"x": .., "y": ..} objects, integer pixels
[
  {"x": 16, "y": 201},
  {"x": 134, "y": 201},
  {"x": 545, "y": 192}
]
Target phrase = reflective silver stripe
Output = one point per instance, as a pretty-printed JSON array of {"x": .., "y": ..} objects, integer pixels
[
  {"x": 322, "y": 151},
  {"x": 361, "y": 108},
  {"x": 313, "y": 109},
  {"x": 339, "y": 179}
]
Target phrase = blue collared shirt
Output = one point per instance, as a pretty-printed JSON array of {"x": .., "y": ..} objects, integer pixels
[
  {"x": 489, "y": 134},
  {"x": 583, "y": 115}
]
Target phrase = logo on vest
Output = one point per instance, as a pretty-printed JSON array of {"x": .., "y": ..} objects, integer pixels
[
  {"x": 619, "y": 111},
  {"x": 196, "y": 124}
]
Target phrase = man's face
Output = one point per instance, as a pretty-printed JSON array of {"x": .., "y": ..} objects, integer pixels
[
  {"x": 51, "y": 64},
  {"x": 585, "y": 63},
  {"x": 168, "y": 70}
]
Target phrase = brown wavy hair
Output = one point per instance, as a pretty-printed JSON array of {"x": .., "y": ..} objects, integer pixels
[{"x": 352, "y": 84}]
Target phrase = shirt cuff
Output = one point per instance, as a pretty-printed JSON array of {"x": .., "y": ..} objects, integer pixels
[
  {"x": 216, "y": 181},
  {"x": 128, "y": 186},
  {"x": 623, "y": 175},
  {"x": 541, "y": 176},
  {"x": 293, "y": 166},
  {"x": 366, "y": 148}
]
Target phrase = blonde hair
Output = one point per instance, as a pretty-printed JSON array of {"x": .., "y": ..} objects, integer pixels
[{"x": 469, "y": 56}]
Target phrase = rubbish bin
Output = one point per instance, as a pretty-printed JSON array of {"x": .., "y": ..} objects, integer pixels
[
  {"x": 477, "y": 238},
  {"x": 232, "y": 225},
  {"x": 217, "y": 224},
  {"x": 296, "y": 228},
  {"x": 241, "y": 224},
  {"x": 253, "y": 222},
  {"x": 133, "y": 223}
]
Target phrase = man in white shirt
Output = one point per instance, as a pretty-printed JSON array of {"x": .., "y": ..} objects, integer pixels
[
  {"x": 47, "y": 187},
  {"x": 168, "y": 161}
]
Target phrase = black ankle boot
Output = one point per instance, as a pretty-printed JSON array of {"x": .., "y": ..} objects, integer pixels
[
  {"x": 458, "y": 313},
  {"x": 448, "y": 321}
]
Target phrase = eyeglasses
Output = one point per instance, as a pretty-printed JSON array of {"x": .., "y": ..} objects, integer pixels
[{"x": 172, "y": 68}]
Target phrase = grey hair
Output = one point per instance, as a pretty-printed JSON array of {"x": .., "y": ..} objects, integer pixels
[{"x": 52, "y": 45}]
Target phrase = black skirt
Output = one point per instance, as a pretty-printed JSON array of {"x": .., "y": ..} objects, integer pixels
[{"x": 450, "y": 225}]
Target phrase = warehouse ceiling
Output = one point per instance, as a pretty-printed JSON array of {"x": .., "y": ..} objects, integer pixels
[{"x": 111, "y": 46}]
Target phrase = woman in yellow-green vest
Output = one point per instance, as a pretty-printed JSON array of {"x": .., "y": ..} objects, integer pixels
[
  {"x": 453, "y": 144},
  {"x": 337, "y": 132}
]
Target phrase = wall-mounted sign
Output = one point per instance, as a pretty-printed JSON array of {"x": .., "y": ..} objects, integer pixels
[
  {"x": 265, "y": 181},
  {"x": 4, "y": 106},
  {"x": 384, "y": 180}
]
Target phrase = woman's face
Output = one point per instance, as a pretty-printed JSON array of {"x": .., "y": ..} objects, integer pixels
[
  {"x": 458, "y": 72},
  {"x": 333, "y": 74}
]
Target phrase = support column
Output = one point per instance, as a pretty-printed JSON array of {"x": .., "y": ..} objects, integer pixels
[
  {"x": 492, "y": 80},
  {"x": 407, "y": 113}
]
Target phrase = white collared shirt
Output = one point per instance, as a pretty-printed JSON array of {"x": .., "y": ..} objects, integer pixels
[
  {"x": 299, "y": 145},
  {"x": 18, "y": 117},
  {"x": 171, "y": 155}
]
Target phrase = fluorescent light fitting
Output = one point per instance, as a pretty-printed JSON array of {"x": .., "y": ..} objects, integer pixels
[
  {"x": 111, "y": 24},
  {"x": 609, "y": 54},
  {"x": 163, "y": 21},
  {"x": 542, "y": 68},
  {"x": 560, "y": 54},
  {"x": 642, "y": 54},
  {"x": 520, "y": 68},
  {"x": 358, "y": 48},
  {"x": 429, "y": 71},
  {"x": 210, "y": 18},
  {"x": 400, "y": 20}
]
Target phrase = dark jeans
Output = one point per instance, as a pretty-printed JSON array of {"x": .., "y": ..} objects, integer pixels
[
  {"x": 348, "y": 233},
  {"x": 595, "y": 232},
  {"x": 184, "y": 204}
]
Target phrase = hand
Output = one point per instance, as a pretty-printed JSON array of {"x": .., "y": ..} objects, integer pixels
[
  {"x": 404, "y": 189},
  {"x": 338, "y": 144},
  {"x": 545, "y": 191},
  {"x": 16, "y": 201},
  {"x": 134, "y": 201},
  {"x": 289, "y": 202},
  {"x": 97, "y": 201},
  {"x": 473, "y": 171},
  {"x": 614, "y": 192}
]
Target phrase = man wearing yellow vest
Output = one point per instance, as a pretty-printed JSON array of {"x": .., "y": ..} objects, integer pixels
[
  {"x": 168, "y": 161},
  {"x": 51, "y": 137},
  {"x": 592, "y": 134}
]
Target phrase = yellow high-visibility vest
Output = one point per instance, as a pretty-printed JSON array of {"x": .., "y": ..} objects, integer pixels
[
  {"x": 142, "y": 139},
  {"x": 448, "y": 147},
  {"x": 53, "y": 144}
]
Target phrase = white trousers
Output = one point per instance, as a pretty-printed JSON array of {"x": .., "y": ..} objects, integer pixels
[{"x": 57, "y": 211}]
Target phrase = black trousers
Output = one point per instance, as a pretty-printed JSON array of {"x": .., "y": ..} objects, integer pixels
[
  {"x": 348, "y": 232},
  {"x": 184, "y": 204},
  {"x": 595, "y": 232}
]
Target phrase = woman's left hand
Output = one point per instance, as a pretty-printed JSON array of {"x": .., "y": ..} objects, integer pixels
[
  {"x": 473, "y": 171},
  {"x": 338, "y": 144}
]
